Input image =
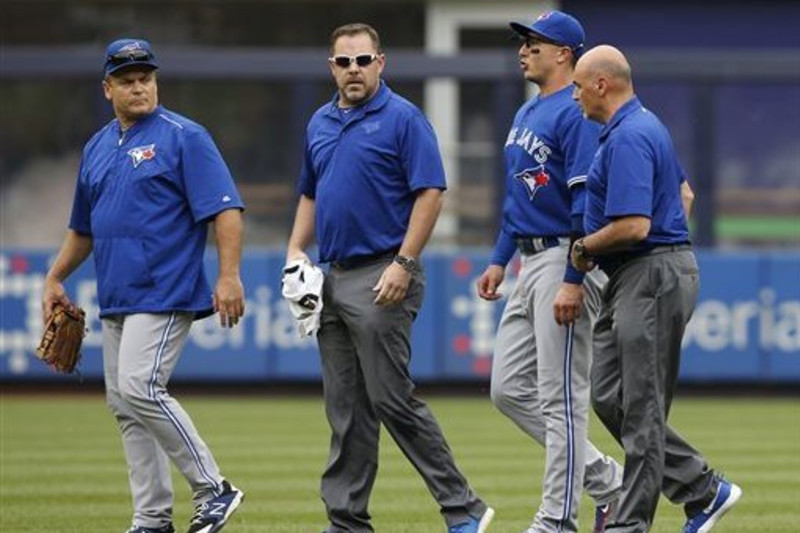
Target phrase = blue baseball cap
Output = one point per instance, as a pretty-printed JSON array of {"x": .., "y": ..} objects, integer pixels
[
  {"x": 125, "y": 53},
  {"x": 557, "y": 27}
]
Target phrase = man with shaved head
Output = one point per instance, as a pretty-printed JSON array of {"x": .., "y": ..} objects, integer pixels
[{"x": 636, "y": 231}]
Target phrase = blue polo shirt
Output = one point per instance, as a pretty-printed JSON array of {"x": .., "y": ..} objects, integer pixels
[
  {"x": 548, "y": 152},
  {"x": 145, "y": 197},
  {"x": 363, "y": 168},
  {"x": 636, "y": 173}
]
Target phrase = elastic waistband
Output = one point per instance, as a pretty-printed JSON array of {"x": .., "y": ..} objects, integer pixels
[
  {"x": 534, "y": 245},
  {"x": 358, "y": 261},
  {"x": 614, "y": 262}
]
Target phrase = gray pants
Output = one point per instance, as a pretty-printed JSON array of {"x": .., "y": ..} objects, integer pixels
[
  {"x": 365, "y": 352},
  {"x": 637, "y": 348},
  {"x": 540, "y": 379},
  {"x": 139, "y": 354}
]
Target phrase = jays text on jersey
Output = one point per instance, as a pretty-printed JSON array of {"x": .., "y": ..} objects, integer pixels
[
  {"x": 363, "y": 166},
  {"x": 144, "y": 196},
  {"x": 544, "y": 183}
]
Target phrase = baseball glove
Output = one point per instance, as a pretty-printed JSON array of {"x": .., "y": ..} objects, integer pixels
[{"x": 61, "y": 343}]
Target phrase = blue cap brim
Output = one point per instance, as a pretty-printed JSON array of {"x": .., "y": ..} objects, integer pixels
[
  {"x": 117, "y": 68},
  {"x": 525, "y": 30}
]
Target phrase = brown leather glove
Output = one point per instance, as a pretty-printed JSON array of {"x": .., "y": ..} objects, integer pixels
[{"x": 61, "y": 342}]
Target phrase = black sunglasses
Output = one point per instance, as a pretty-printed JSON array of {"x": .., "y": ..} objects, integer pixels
[
  {"x": 362, "y": 60},
  {"x": 530, "y": 40},
  {"x": 129, "y": 56}
]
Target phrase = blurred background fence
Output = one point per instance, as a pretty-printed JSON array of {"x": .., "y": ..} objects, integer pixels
[{"x": 723, "y": 76}]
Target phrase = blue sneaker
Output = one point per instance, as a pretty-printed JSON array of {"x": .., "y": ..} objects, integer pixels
[
  {"x": 473, "y": 525},
  {"x": 210, "y": 516},
  {"x": 727, "y": 495},
  {"x": 603, "y": 514},
  {"x": 141, "y": 529}
]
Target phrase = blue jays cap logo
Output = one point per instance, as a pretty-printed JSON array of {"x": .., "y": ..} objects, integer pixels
[
  {"x": 534, "y": 179},
  {"x": 136, "y": 45},
  {"x": 544, "y": 16},
  {"x": 142, "y": 153}
]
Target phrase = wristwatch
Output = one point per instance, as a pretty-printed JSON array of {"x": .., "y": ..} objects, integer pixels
[
  {"x": 408, "y": 263},
  {"x": 579, "y": 249}
]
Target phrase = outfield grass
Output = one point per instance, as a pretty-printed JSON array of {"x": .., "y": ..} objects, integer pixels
[{"x": 62, "y": 468}]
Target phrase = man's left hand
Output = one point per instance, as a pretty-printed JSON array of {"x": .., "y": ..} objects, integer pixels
[
  {"x": 393, "y": 285},
  {"x": 229, "y": 300}
]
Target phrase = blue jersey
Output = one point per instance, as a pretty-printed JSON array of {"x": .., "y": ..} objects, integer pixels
[
  {"x": 547, "y": 155},
  {"x": 145, "y": 196},
  {"x": 363, "y": 167},
  {"x": 636, "y": 173}
]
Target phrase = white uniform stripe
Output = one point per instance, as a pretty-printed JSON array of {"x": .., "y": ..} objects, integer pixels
[
  {"x": 576, "y": 180},
  {"x": 165, "y": 409},
  {"x": 570, "y": 475},
  {"x": 170, "y": 120}
]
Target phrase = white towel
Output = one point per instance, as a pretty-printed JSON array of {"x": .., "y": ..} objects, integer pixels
[{"x": 302, "y": 289}]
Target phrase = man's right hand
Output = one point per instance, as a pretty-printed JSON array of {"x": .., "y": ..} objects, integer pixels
[
  {"x": 52, "y": 294},
  {"x": 489, "y": 281},
  {"x": 296, "y": 254}
]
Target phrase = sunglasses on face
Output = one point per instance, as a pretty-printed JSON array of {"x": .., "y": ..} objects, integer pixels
[
  {"x": 129, "y": 56},
  {"x": 362, "y": 60},
  {"x": 532, "y": 40}
]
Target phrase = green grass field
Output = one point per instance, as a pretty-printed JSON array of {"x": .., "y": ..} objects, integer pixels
[{"x": 62, "y": 468}]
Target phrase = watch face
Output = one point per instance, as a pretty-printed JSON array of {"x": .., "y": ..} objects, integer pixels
[{"x": 406, "y": 262}]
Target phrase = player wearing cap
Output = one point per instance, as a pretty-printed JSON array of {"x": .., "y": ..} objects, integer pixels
[
  {"x": 149, "y": 183},
  {"x": 637, "y": 207},
  {"x": 540, "y": 371}
]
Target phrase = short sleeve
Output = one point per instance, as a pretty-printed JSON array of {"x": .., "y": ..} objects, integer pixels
[
  {"x": 307, "y": 185},
  {"x": 420, "y": 155},
  {"x": 631, "y": 170},
  {"x": 207, "y": 181},
  {"x": 80, "y": 219}
]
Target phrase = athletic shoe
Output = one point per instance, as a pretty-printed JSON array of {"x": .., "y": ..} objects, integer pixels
[
  {"x": 210, "y": 516},
  {"x": 473, "y": 525},
  {"x": 603, "y": 514},
  {"x": 141, "y": 529},
  {"x": 727, "y": 495}
]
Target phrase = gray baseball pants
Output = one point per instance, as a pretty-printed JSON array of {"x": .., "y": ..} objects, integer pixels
[
  {"x": 540, "y": 380},
  {"x": 139, "y": 354},
  {"x": 365, "y": 350},
  {"x": 637, "y": 349}
]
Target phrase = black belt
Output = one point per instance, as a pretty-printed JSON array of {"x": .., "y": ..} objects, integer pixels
[
  {"x": 357, "y": 261},
  {"x": 534, "y": 245},
  {"x": 611, "y": 263}
]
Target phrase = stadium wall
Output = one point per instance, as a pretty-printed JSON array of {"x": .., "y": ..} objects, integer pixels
[{"x": 746, "y": 327}]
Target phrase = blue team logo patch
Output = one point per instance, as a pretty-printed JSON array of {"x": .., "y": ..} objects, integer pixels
[
  {"x": 534, "y": 179},
  {"x": 141, "y": 154}
]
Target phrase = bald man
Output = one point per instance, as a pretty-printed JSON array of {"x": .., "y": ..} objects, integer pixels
[{"x": 636, "y": 231}]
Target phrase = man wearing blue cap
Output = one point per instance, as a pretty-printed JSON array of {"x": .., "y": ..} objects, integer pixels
[
  {"x": 540, "y": 370},
  {"x": 149, "y": 183}
]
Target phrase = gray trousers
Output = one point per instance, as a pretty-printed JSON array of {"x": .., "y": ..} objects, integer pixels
[
  {"x": 139, "y": 354},
  {"x": 540, "y": 380},
  {"x": 637, "y": 349},
  {"x": 365, "y": 352}
]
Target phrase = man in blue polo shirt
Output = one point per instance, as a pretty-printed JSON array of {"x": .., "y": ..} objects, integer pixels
[
  {"x": 150, "y": 181},
  {"x": 371, "y": 190},
  {"x": 636, "y": 223},
  {"x": 542, "y": 355}
]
